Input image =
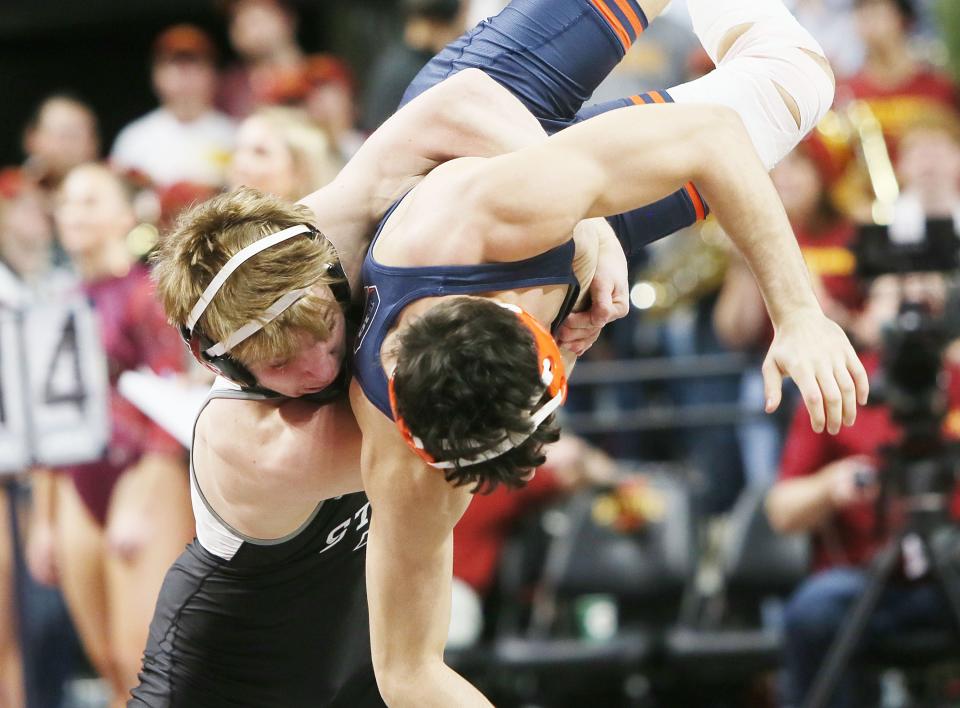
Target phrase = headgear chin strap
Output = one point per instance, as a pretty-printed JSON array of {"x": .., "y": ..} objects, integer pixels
[
  {"x": 552, "y": 375},
  {"x": 215, "y": 355}
]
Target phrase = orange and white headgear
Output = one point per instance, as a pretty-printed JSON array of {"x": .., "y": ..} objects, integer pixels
[{"x": 552, "y": 375}]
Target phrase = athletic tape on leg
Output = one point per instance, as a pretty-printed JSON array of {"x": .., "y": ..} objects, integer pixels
[{"x": 768, "y": 55}]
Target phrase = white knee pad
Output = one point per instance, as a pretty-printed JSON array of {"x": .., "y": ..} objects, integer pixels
[{"x": 770, "y": 54}]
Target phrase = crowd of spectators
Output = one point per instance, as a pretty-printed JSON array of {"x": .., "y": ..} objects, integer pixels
[{"x": 283, "y": 119}]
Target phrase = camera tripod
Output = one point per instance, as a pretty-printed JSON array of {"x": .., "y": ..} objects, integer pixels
[{"x": 928, "y": 522}]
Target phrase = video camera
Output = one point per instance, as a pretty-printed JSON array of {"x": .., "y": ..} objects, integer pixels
[{"x": 911, "y": 380}]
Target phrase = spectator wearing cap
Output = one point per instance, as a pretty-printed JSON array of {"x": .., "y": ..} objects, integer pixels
[
  {"x": 428, "y": 27},
  {"x": 263, "y": 33},
  {"x": 330, "y": 102},
  {"x": 185, "y": 139},
  {"x": 898, "y": 87}
]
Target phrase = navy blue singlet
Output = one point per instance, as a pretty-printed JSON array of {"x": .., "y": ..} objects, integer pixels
[{"x": 388, "y": 289}]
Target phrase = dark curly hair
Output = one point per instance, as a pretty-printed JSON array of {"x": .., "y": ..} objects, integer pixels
[{"x": 467, "y": 377}]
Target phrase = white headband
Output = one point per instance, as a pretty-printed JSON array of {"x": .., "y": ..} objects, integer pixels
[
  {"x": 254, "y": 326},
  {"x": 510, "y": 442},
  {"x": 272, "y": 312},
  {"x": 235, "y": 262}
]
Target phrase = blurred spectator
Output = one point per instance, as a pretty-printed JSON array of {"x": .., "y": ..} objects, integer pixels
[
  {"x": 273, "y": 70},
  {"x": 897, "y": 84},
  {"x": 28, "y": 274},
  {"x": 185, "y": 139},
  {"x": 281, "y": 152},
  {"x": 928, "y": 166},
  {"x": 833, "y": 24},
  {"x": 948, "y": 16},
  {"x": 898, "y": 88},
  {"x": 26, "y": 239},
  {"x": 61, "y": 134},
  {"x": 429, "y": 25},
  {"x": 107, "y": 531},
  {"x": 489, "y": 521},
  {"x": 486, "y": 525},
  {"x": 827, "y": 487},
  {"x": 263, "y": 33},
  {"x": 331, "y": 102}
]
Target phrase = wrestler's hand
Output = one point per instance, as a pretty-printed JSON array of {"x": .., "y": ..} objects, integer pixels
[
  {"x": 817, "y": 355},
  {"x": 609, "y": 299}
]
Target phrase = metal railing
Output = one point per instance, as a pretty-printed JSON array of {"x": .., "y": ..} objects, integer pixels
[{"x": 659, "y": 416}]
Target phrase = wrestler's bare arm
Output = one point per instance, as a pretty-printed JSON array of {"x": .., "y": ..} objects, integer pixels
[
  {"x": 526, "y": 202},
  {"x": 409, "y": 567},
  {"x": 467, "y": 114}
]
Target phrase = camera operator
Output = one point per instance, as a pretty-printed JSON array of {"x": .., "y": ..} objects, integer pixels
[{"x": 828, "y": 486}]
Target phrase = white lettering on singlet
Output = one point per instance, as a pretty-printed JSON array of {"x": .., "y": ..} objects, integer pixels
[
  {"x": 364, "y": 513},
  {"x": 337, "y": 533}
]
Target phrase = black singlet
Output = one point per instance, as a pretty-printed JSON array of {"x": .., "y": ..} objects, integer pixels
[{"x": 278, "y": 624}]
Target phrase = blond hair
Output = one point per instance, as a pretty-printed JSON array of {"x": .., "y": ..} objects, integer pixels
[
  {"x": 314, "y": 160},
  {"x": 208, "y": 235}
]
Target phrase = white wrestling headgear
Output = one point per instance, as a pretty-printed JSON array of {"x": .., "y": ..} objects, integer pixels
[{"x": 215, "y": 355}]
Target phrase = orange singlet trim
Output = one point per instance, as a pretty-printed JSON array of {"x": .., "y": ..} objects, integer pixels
[
  {"x": 613, "y": 22},
  {"x": 637, "y": 100},
  {"x": 698, "y": 206},
  {"x": 657, "y": 97},
  {"x": 631, "y": 17}
]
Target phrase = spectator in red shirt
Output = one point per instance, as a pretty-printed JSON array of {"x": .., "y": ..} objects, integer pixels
[
  {"x": 827, "y": 487},
  {"x": 108, "y": 530},
  {"x": 898, "y": 88}
]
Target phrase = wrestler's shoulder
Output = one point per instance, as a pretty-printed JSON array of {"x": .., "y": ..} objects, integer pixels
[{"x": 228, "y": 426}]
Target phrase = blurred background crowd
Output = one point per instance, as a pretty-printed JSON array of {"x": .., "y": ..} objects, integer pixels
[{"x": 679, "y": 547}]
